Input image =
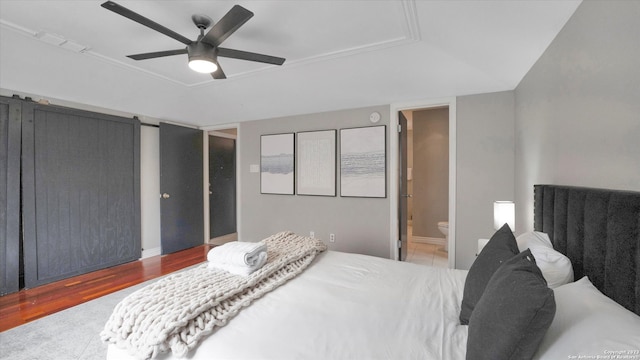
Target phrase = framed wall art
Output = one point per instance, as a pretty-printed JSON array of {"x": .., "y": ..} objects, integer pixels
[
  {"x": 363, "y": 160},
  {"x": 316, "y": 163},
  {"x": 277, "y": 164}
]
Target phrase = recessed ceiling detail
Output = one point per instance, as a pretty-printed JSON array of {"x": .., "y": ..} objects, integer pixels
[
  {"x": 398, "y": 19},
  {"x": 340, "y": 54}
]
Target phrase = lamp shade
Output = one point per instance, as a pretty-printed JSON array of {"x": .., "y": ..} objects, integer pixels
[{"x": 504, "y": 212}]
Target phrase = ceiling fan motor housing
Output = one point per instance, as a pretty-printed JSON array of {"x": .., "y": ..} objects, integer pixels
[{"x": 202, "y": 51}]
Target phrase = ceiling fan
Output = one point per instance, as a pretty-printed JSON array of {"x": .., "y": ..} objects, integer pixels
[{"x": 203, "y": 53}]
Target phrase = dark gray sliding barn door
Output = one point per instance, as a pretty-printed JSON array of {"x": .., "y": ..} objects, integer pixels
[
  {"x": 181, "y": 186},
  {"x": 81, "y": 192},
  {"x": 10, "y": 110}
]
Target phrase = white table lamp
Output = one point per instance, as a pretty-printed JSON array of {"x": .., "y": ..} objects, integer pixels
[{"x": 504, "y": 212}]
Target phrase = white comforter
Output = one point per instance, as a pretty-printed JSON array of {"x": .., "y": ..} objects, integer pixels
[{"x": 347, "y": 306}]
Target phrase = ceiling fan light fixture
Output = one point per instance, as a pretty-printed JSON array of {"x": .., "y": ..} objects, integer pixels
[
  {"x": 203, "y": 66},
  {"x": 202, "y": 58}
]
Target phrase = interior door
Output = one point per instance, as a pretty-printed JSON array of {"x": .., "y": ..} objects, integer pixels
[
  {"x": 181, "y": 188},
  {"x": 403, "y": 208},
  {"x": 222, "y": 187}
]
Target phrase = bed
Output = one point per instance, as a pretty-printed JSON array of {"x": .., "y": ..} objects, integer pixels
[{"x": 349, "y": 306}]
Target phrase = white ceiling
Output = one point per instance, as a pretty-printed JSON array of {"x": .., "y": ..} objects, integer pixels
[{"x": 340, "y": 54}]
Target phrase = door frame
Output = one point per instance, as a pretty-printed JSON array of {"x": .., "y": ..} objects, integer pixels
[
  {"x": 394, "y": 146},
  {"x": 211, "y": 130}
]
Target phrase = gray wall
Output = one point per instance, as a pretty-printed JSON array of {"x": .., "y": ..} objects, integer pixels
[
  {"x": 485, "y": 173},
  {"x": 360, "y": 224},
  {"x": 430, "y": 171},
  {"x": 578, "y": 108},
  {"x": 485, "y": 167}
]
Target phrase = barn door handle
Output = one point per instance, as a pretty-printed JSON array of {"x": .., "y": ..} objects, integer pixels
[{"x": 165, "y": 196}]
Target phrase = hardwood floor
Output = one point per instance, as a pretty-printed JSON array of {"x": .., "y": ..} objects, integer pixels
[{"x": 31, "y": 304}]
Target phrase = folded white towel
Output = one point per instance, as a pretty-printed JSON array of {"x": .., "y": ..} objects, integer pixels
[
  {"x": 237, "y": 253},
  {"x": 240, "y": 258},
  {"x": 239, "y": 269}
]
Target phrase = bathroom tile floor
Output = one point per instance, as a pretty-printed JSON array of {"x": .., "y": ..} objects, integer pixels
[{"x": 426, "y": 254}]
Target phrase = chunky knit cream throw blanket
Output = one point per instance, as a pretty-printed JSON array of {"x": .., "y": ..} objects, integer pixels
[{"x": 176, "y": 312}]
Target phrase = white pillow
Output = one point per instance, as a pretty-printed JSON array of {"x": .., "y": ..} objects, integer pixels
[
  {"x": 533, "y": 238},
  {"x": 556, "y": 268},
  {"x": 589, "y": 324}
]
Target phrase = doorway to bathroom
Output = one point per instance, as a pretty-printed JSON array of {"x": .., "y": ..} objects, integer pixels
[{"x": 424, "y": 198}]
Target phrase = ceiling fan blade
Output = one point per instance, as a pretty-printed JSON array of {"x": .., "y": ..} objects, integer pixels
[
  {"x": 157, "y": 54},
  {"x": 218, "y": 74},
  {"x": 121, "y": 10},
  {"x": 229, "y": 23},
  {"x": 245, "y": 55}
]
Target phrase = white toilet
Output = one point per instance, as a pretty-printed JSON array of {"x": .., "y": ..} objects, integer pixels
[{"x": 443, "y": 226}]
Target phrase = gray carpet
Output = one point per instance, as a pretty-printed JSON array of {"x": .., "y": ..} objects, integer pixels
[{"x": 72, "y": 334}]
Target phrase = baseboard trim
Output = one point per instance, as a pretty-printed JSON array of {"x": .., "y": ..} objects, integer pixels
[
  {"x": 428, "y": 240},
  {"x": 147, "y": 253}
]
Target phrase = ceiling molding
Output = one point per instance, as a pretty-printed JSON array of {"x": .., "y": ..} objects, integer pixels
[
  {"x": 17, "y": 28},
  {"x": 411, "y": 31},
  {"x": 411, "y": 20}
]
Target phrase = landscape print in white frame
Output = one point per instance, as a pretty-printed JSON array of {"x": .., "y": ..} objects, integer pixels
[
  {"x": 363, "y": 162},
  {"x": 277, "y": 154},
  {"x": 316, "y": 163}
]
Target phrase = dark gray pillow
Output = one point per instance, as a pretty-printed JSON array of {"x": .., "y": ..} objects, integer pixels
[
  {"x": 501, "y": 247},
  {"x": 513, "y": 314}
]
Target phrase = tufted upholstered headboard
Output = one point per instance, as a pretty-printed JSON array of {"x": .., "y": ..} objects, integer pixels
[{"x": 599, "y": 230}]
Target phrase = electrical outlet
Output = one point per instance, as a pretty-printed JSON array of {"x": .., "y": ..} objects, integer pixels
[
  {"x": 332, "y": 237},
  {"x": 312, "y": 234}
]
